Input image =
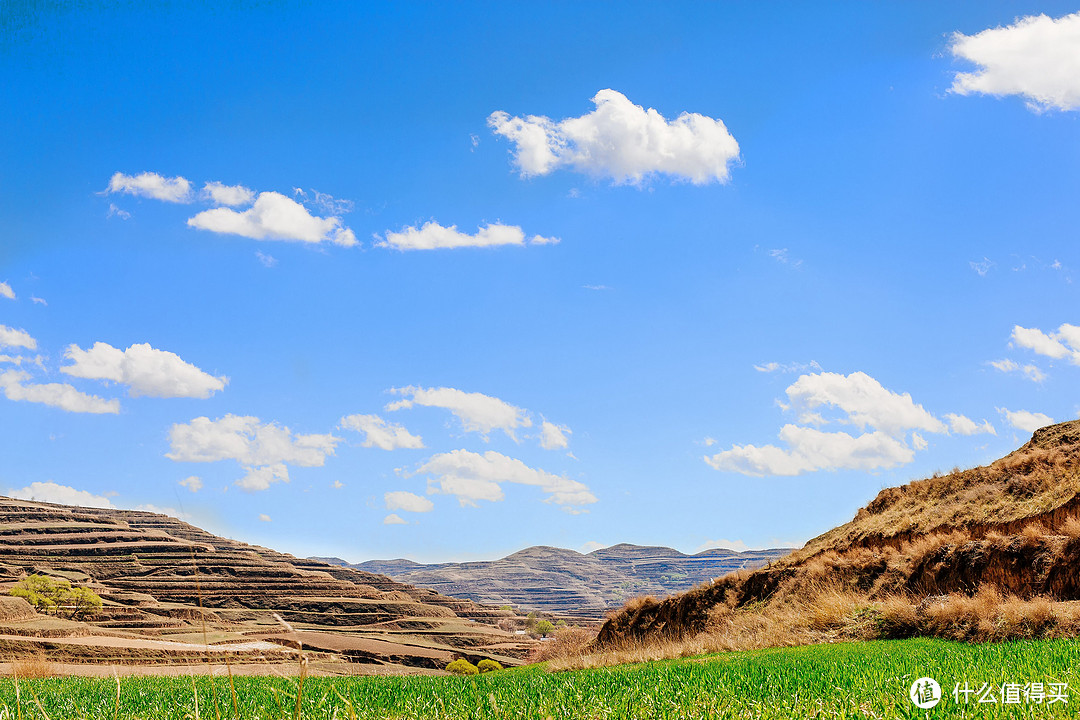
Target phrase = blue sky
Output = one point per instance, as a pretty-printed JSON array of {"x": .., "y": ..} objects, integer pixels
[{"x": 399, "y": 280}]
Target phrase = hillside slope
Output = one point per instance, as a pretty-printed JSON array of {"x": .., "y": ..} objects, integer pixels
[
  {"x": 165, "y": 580},
  {"x": 566, "y": 582},
  {"x": 1011, "y": 528}
]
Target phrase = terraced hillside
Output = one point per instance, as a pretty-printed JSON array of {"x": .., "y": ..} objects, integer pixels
[
  {"x": 164, "y": 580},
  {"x": 569, "y": 583}
]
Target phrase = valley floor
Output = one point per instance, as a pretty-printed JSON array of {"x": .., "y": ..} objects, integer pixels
[{"x": 1027, "y": 679}]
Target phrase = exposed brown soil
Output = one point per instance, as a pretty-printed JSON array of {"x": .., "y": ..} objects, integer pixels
[
  {"x": 1008, "y": 533},
  {"x": 165, "y": 584}
]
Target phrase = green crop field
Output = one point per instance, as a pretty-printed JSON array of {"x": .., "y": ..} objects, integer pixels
[{"x": 851, "y": 680}]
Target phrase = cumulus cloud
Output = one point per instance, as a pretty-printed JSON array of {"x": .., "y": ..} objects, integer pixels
[
  {"x": 232, "y": 195},
  {"x": 10, "y": 337},
  {"x": 192, "y": 483},
  {"x": 394, "y": 519},
  {"x": 261, "y": 478},
  {"x": 145, "y": 370},
  {"x": 275, "y": 217},
  {"x": 861, "y": 401},
  {"x": 61, "y": 395},
  {"x": 472, "y": 477},
  {"x": 264, "y": 449},
  {"x": 263, "y": 517},
  {"x": 1036, "y": 58},
  {"x": 476, "y": 411},
  {"x": 152, "y": 185},
  {"x": 963, "y": 425},
  {"x": 51, "y": 492},
  {"x": 810, "y": 449},
  {"x": 380, "y": 433},
  {"x": 433, "y": 236},
  {"x": 621, "y": 141},
  {"x": 1063, "y": 344},
  {"x": 553, "y": 437},
  {"x": 864, "y": 401},
  {"x": 1025, "y": 420},
  {"x": 6, "y": 291},
  {"x": 592, "y": 546},
  {"x": 407, "y": 501}
]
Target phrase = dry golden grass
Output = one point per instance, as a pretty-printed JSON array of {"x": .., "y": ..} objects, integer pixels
[
  {"x": 829, "y": 613},
  {"x": 33, "y": 666}
]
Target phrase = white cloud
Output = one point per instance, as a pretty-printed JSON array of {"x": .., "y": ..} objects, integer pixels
[
  {"x": 1065, "y": 343},
  {"x": 1033, "y": 373},
  {"x": 407, "y": 501},
  {"x": 10, "y": 337},
  {"x": 1004, "y": 365},
  {"x": 780, "y": 255},
  {"x": 263, "y": 517},
  {"x": 621, "y": 141},
  {"x": 553, "y": 437},
  {"x": 261, "y": 478},
  {"x": 38, "y": 301},
  {"x": 6, "y": 291},
  {"x": 145, "y": 370},
  {"x": 192, "y": 483},
  {"x": 114, "y": 211},
  {"x": 266, "y": 260},
  {"x": 791, "y": 367},
  {"x": 60, "y": 395},
  {"x": 963, "y": 425},
  {"x": 471, "y": 477},
  {"x": 721, "y": 544},
  {"x": 592, "y": 546},
  {"x": 337, "y": 484},
  {"x": 152, "y": 185},
  {"x": 394, "y": 519},
  {"x": 51, "y": 492},
  {"x": 232, "y": 195},
  {"x": 865, "y": 402},
  {"x": 275, "y": 217},
  {"x": 476, "y": 411},
  {"x": 982, "y": 267},
  {"x": 248, "y": 441},
  {"x": 811, "y": 450},
  {"x": 1024, "y": 420},
  {"x": 330, "y": 204},
  {"x": 433, "y": 236},
  {"x": 264, "y": 449},
  {"x": 380, "y": 433},
  {"x": 1036, "y": 57}
]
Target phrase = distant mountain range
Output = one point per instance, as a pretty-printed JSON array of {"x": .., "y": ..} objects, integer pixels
[{"x": 566, "y": 582}]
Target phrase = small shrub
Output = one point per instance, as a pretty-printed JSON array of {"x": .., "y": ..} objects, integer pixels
[
  {"x": 486, "y": 665},
  {"x": 461, "y": 666}
]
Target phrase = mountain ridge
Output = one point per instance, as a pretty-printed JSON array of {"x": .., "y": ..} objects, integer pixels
[{"x": 567, "y": 582}]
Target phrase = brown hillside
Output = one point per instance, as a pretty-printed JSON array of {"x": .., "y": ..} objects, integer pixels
[
  {"x": 985, "y": 553},
  {"x": 165, "y": 583}
]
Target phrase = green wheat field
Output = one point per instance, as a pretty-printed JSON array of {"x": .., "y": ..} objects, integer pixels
[{"x": 849, "y": 680}]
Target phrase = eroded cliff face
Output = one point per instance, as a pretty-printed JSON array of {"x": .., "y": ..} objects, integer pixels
[{"x": 1013, "y": 524}]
